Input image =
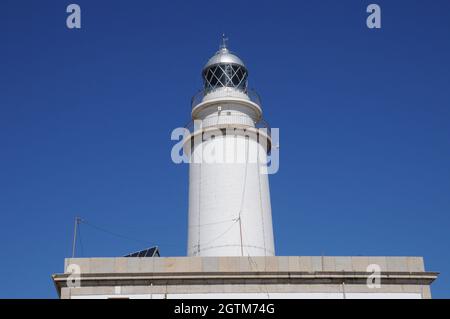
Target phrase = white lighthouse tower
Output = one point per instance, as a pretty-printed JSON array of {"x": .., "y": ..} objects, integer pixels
[
  {"x": 229, "y": 198},
  {"x": 230, "y": 220}
]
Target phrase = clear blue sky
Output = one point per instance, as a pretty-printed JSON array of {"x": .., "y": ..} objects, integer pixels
[{"x": 86, "y": 117}]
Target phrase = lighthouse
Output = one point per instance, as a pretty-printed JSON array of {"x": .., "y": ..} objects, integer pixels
[
  {"x": 229, "y": 198},
  {"x": 230, "y": 239}
]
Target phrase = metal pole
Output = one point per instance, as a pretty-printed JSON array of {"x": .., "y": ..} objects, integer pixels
[
  {"x": 77, "y": 221},
  {"x": 343, "y": 290},
  {"x": 240, "y": 231}
]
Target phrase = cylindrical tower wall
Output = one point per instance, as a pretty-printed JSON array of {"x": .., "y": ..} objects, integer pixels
[{"x": 229, "y": 200}]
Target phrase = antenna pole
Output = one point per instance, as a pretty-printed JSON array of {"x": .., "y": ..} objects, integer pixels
[{"x": 77, "y": 222}]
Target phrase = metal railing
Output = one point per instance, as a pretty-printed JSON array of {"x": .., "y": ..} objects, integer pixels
[{"x": 226, "y": 92}]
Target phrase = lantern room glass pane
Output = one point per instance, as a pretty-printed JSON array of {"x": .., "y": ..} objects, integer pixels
[{"x": 225, "y": 75}]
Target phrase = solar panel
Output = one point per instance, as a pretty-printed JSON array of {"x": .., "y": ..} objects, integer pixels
[{"x": 149, "y": 252}]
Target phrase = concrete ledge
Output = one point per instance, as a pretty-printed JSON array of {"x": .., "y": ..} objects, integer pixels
[
  {"x": 107, "y": 279},
  {"x": 245, "y": 264}
]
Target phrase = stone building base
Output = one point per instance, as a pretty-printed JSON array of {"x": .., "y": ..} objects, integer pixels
[{"x": 245, "y": 277}]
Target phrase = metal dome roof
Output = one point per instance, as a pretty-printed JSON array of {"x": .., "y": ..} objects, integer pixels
[{"x": 224, "y": 56}]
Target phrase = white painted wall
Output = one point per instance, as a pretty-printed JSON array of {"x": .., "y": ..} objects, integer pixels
[
  {"x": 229, "y": 201},
  {"x": 219, "y": 194}
]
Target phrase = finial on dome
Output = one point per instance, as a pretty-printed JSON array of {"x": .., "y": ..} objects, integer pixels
[{"x": 223, "y": 45}]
